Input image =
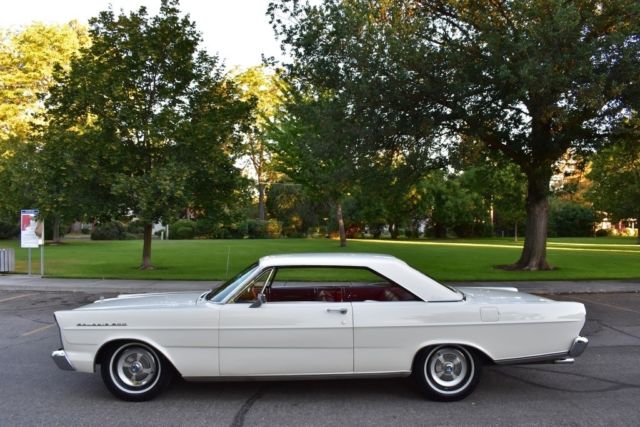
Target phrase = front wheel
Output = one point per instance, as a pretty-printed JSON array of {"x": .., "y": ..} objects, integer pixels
[
  {"x": 134, "y": 371},
  {"x": 447, "y": 372}
]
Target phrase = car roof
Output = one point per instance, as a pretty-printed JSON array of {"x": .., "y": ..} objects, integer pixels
[
  {"x": 328, "y": 259},
  {"x": 387, "y": 266}
]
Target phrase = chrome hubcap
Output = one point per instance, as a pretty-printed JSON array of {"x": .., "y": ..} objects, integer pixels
[
  {"x": 448, "y": 367},
  {"x": 136, "y": 367}
]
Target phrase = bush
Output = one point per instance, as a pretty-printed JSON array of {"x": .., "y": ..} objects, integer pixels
[
  {"x": 274, "y": 229},
  {"x": 292, "y": 231},
  {"x": 135, "y": 227},
  {"x": 570, "y": 219},
  {"x": 9, "y": 230},
  {"x": 236, "y": 231},
  {"x": 182, "y": 229},
  {"x": 602, "y": 232},
  {"x": 113, "y": 230},
  {"x": 256, "y": 229}
]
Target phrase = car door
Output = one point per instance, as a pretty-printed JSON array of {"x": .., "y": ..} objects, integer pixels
[
  {"x": 305, "y": 333},
  {"x": 389, "y": 324}
]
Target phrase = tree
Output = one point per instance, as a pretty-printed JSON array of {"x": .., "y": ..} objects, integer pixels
[
  {"x": 528, "y": 78},
  {"x": 450, "y": 205},
  {"x": 615, "y": 175},
  {"x": 264, "y": 90},
  {"x": 314, "y": 148},
  {"x": 28, "y": 58},
  {"x": 152, "y": 101}
]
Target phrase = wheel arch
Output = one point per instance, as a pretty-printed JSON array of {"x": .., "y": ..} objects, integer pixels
[
  {"x": 107, "y": 345},
  {"x": 482, "y": 353}
]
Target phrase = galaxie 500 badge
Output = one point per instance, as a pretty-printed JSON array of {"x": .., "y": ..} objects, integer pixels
[{"x": 101, "y": 324}]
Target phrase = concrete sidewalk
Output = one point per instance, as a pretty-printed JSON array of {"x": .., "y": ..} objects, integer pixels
[{"x": 21, "y": 282}]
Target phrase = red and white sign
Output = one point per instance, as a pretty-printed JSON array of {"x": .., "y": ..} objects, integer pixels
[{"x": 31, "y": 230}]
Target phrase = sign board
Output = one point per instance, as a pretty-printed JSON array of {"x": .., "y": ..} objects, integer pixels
[{"x": 31, "y": 230}]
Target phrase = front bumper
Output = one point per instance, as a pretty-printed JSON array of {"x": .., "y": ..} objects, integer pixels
[
  {"x": 578, "y": 346},
  {"x": 60, "y": 357}
]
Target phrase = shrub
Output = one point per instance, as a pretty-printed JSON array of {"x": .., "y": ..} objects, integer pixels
[
  {"x": 113, "y": 230},
  {"x": 135, "y": 227},
  {"x": 183, "y": 229},
  {"x": 256, "y": 229},
  {"x": 9, "y": 230},
  {"x": 274, "y": 229},
  {"x": 570, "y": 219},
  {"x": 48, "y": 229},
  {"x": 602, "y": 232},
  {"x": 292, "y": 231}
]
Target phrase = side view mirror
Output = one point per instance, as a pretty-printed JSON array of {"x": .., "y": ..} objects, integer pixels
[{"x": 259, "y": 301}]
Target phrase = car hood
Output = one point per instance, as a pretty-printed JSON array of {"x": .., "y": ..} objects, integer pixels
[
  {"x": 141, "y": 301},
  {"x": 498, "y": 295}
]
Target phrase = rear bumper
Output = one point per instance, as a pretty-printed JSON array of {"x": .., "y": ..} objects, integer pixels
[
  {"x": 60, "y": 357},
  {"x": 578, "y": 346}
]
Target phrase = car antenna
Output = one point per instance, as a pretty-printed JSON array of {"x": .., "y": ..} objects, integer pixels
[{"x": 226, "y": 274}]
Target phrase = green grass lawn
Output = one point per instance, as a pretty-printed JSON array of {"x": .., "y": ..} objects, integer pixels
[{"x": 447, "y": 260}]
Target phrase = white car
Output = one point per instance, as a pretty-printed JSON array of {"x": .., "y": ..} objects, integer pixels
[{"x": 317, "y": 316}]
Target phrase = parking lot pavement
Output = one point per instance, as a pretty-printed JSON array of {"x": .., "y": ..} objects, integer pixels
[{"x": 601, "y": 388}]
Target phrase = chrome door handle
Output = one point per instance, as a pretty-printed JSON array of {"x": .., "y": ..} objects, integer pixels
[{"x": 337, "y": 310}]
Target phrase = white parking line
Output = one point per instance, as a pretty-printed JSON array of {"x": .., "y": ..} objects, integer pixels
[
  {"x": 40, "y": 329},
  {"x": 16, "y": 297}
]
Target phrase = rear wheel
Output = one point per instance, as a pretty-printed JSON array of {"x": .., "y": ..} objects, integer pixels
[
  {"x": 135, "y": 371},
  {"x": 447, "y": 372}
]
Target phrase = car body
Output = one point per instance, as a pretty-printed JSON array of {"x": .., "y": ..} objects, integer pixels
[{"x": 317, "y": 315}]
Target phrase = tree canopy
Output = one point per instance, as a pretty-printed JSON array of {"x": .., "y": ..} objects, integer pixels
[
  {"x": 264, "y": 90},
  {"x": 158, "y": 115},
  {"x": 28, "y": 59},
  {"x": 615, "y": 175},
  {"x": 527, "y": 78}
]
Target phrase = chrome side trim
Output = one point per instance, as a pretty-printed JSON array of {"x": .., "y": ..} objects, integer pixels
[
  {"x": 60, "y": 357},
  {"x": 564, "y": 361},
  {"x": 541, "y": 358},
  {"x": 304, "y": 377},
  {"x": 578, "y": 346}
]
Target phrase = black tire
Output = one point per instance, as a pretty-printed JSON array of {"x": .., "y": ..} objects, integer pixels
[
  {"x": 134, "y": 371},
  {"x": 447, "y": 372}
]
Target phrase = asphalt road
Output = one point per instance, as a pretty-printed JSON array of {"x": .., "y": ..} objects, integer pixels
[{"x": 602, "y": 388}]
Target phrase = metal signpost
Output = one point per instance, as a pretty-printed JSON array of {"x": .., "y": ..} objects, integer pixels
[{"x": 32, "y": 235}]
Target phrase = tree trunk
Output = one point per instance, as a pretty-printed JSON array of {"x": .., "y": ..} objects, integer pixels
[
  {"x": 343, "y": 235},
  {"x": 515, "y": 232},
  {"x": 261, "y": 214},
  {"x": 146, "y": 248},
  {"x": 393, "y": 230},
  {"x": 439, "y": 230},
  {"x": 534, "y": 252},
  {"x": 56, "y": 229}
]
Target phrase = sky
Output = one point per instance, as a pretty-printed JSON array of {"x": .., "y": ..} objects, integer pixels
[{"x": 237, "y": 30}]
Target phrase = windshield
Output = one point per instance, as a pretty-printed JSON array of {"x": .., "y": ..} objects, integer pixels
[{"x": 222, "y": 291}]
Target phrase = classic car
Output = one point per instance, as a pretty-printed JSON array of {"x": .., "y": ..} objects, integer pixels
[{"x": 317, "y": 316}]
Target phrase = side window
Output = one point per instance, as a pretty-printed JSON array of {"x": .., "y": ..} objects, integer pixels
[
  {"x": 384, "y": 290},
  {"x": 251, "y": 291},
  {"x": 333, "y": 284}
]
